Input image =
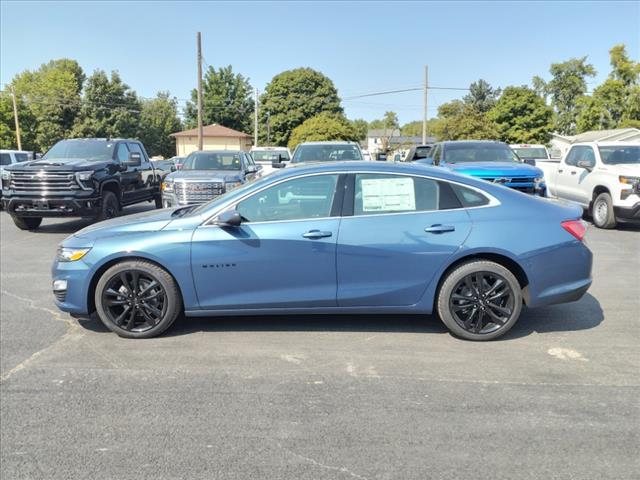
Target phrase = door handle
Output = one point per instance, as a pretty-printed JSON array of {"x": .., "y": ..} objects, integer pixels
[
  {"x": 573, "y": 172},
  {"x": 560, "y": 170},
  {"x": 316, "y": 234},
  {"x": 439, "y": 228}
]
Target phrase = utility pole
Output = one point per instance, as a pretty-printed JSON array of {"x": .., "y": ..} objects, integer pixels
[
  {"x": 15, "y": 118},
  {"x": 199, "y": 91},
  {"x": 255, "y": 120},
  {"x": 424, "y": 114},
  {"x": 268, "y": 128}
]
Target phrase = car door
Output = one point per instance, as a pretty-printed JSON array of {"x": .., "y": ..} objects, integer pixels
[
  {"x": 146, "y": 185},
  {"x": 400, "y": 231},
  {"x": 581, "y": 193},
  {"x": 128, "y": 174},
  {"x": 282, "y": 255},
  {"x": 569, "y": 174},
  {"x": 250, "y": 168}
]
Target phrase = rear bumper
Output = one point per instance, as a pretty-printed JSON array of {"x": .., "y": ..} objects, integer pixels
[
  {"x": 628, "y": 214},
  {"x": 51, "y": 207}
]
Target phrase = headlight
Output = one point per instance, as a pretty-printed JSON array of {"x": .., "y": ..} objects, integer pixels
[
  {"x": 167, "y": 186},
  {"x": 629, "y": 180},
  {"x": 231, "y": 185},
  {"x": 538, "y": 181},
  {"x": 6, "y": 175},
  {"x": 84, "y": 176},
  {"x": 71, "y": 254}
]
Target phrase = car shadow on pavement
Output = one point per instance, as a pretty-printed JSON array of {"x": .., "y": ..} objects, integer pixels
[{"x": 582, "y": 315}]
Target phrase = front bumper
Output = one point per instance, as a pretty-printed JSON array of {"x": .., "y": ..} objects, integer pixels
[
  {"x": 628, "y": 214},
  {"x": 70, "y": 283},
  {"x": 51, "y": 206}
]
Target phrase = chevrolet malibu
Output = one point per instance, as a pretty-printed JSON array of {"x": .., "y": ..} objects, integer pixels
[{"x": 345, "y": 237}]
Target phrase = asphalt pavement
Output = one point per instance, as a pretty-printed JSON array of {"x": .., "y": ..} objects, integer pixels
[{"x": 319, "y": 397}]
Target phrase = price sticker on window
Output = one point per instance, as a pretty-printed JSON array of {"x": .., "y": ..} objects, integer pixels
[{"x": 388, "y": 194}]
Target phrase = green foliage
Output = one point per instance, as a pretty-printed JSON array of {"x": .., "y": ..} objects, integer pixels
[
  {"x": 460, "y": 121},
  {"x": 159, "y": 119},
  {"x": 482, "y": 96},
  {"x": 521, "y": 116},
  {"x": 226, "y": 100},
  {"x": 324, "y": 126},
  {"x": 623, "y": 68},
  {"x": 388, "y": 121},
  {"x": 109, "y": 108},
  {"x": 414, "y": 129},
  {"x": 361, "y": 127},
  {"x": 567, "y": 86},
  {"x": 291, "y": 98}
]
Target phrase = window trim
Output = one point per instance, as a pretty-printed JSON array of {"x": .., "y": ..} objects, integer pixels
[{"x": 493, "y": 201}]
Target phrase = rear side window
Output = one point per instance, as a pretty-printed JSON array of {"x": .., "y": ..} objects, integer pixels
[
  {"x": 21, "y": 157},
  {"x": 469, "y": 197}
]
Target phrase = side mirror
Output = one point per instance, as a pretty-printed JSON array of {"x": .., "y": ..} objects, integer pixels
[
  {"x": 173, "y": 168},
  {"x": 277, "y": 163},
  {"x": 530, "y": 161},
  {"x": 252, "y": 169},
  {"x": 135, "y": 159},
  {"x": 229, "y": 218},
  {"x": 586, "y": 164}
]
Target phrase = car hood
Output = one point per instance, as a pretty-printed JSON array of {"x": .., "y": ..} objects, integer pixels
[
  {"x": 492, "y": 169},
  {"x": 206, "y": 175},
  {"x": 66, "y": 164},
  {"x": 150, "y": 221}
]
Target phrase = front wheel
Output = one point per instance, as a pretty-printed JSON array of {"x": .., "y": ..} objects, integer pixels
[
  {"x": 27, "y": 223},
  {"x": 480, "y": 300},
  {"x": 602, "y": 211},
  {"x": 137, "y": 299}
]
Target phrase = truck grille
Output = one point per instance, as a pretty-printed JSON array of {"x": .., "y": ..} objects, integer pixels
[
  {"x": 43, "y": 181},
  {"x": 198, "y": 192},
  {"x": 522, "y": 184}
]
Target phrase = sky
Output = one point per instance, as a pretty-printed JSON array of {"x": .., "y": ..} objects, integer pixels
[{"x": 364, "y": 47}]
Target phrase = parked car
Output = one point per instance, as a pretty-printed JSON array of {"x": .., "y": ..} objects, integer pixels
[
  {"x": 344, "y": 237},
  {"x": 206, "y": 175},
  {"x": 9, "y": 157},
  {"x": 267, "y": 156},
  {"x": 312, "y": 152},
  {"x": 531, "y": 153},
  {"x": 90, "y": 177},
  {"x": 166, "y": 166},
  {"x": 177, "y": 161},
  {"x": 491, "y": 161},
  {"x": 418, "y": 152},
  {"x": 604, "y": 178}
]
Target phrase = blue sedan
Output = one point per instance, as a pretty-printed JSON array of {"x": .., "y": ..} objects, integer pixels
[{"x": 352, "y": 237}]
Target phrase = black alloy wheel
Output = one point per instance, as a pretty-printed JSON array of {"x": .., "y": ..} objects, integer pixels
[
  {"x": 482, "y": 302},
  {"x": 137, "y": 299},
  {"x": 110, "y": 207}
]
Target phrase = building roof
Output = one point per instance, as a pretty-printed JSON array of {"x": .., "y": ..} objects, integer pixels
[
  {"x": 383, "y": 132},
  {"x": 213, "y": 130},
  {"x": 617, "y": 134}
]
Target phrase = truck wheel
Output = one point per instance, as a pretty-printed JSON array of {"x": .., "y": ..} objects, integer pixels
[
  {"x": 110, "y": 206},
  {"x": 602, "y": 211},
  {"x": 137, "y": 299},
  {"x": 27, "y": 223},
  {"x": 479, "y": 300}
]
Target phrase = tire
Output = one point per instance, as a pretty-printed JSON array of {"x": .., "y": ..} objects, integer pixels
[
  {"x": 27, "y": 223},
  {"x": 109, "y": 207},
  {"x": 158, "y": 200},
  {"x": 602, "y": 211},
  {"x": 462, "y": 306},
  {"x": 124, "y": 311}
]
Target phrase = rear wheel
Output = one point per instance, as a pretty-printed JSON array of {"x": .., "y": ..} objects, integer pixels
[
  {"x": 480, "y": 300},
  {"x": 27, "y": 223},
  {"x": 602, "y": 211},
  {"x": 137, "y": 299}
]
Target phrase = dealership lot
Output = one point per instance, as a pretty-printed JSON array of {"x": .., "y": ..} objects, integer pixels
[{"x": 319, "y": 397}]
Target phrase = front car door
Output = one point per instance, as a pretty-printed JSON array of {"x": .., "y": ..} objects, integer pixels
[
  {"x": 398, "y": 232},
  {"x": 128, "y": 176},
  {"x": 283, "y": 255},
  {"x": 146, "y": 183},
  {"x": 569, "y": 174}
]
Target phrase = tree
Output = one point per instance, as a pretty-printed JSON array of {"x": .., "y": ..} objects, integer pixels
[
  {"x": 623, "y": 68},
  {"x": 226, "y": 100},
  {"x": 521, "y": 116},
  {"x": 109, "y": 108},
  {"x": 324, "y": 126},
  {"x": 567, "y": 86},
  {"x": 159, "y": 119},
  {"x": 291, "y": 98},
  {"x": 388, "y": 121},
  {"x": 482, "y": 96},
  {"x": 414, "y": 129},
  {"x": 48, "y": 102},
  {"x": 460, "y": 121},
  {"x": 361, "y": 127}
]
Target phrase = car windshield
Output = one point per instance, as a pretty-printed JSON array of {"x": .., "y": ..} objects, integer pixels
[
  {"x": 212, "y": 161},
  {"x": 629, "y": 154},
  {"x": 269, "y": 155},
  {"x": 526, "y": 152},
  {"x": 85, "y": 149},
  {"x": 479, "y": 152},
  {"x": 326, "y": 153}
]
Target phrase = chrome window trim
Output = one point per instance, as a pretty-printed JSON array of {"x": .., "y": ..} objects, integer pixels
[{"x": 493, "y": 201}]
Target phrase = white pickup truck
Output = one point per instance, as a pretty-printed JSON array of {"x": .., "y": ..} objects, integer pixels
[{"x": 603, "y": 177}]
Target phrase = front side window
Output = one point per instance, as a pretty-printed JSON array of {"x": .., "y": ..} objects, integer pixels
[
  {"x": 5, "y": 159},
  {"x": 122, "y": 154},
  {"x": 573, "y": 156},
  {"x": 21, "y": 157},
  {"x": 212, "y": 161},
  {"x": 299, "y": 198},
  {"x": 380, "y": 193},
  {"x": 134, "y": 147}
]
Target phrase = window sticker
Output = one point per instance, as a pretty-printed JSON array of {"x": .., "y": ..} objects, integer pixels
[{"x": 388, "y": 194}]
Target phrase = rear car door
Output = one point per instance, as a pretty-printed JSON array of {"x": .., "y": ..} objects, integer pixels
[
  {"x": 283, "y": 255},
  {"x": 395, "y": 235}
]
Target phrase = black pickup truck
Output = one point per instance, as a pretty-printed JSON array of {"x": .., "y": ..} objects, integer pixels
[{"x": 89, "y": 177}]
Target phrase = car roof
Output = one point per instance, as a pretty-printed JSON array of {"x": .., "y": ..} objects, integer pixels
[
  {"x": 527, "y": 145},
  {"x": 473, "y": 142},
  {"x": 255, "y": 149},
  {"x": 332, "y": 142},
  {"x": 629, "y": 143},
  {"x": 217, "y": 151}
]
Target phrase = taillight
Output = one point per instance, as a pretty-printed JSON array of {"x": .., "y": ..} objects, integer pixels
[{"x": 577, "y": 228}]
